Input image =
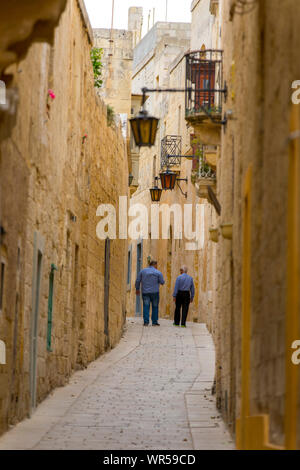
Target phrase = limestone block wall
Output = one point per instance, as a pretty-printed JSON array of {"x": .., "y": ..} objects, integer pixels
[
  {"x": 21, "y": 25},
  {"x": 199, "y": 261},
  {"x": 52, "y": 180},
  {"x": 153, "y": 57},
  {"x": 205, "y": 33},
  {"x": 117, "y": 67},
  {"x": 260, "y": 64},
  {"x": 202, "y": 25},
  {"x": 135, "y": 23}
]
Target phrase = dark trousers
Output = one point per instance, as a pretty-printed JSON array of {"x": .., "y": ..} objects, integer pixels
[{"x": 183, "y": 300}]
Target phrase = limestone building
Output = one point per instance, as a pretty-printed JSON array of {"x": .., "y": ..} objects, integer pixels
[
  {"x": 153, "y": 57},
  {"x": 62, "y": 295},
  {"x": 117, "y": 60},
  {"x": 259, "y": 194},
  {"x": 257, "y": 231},
  {"x": 242, "y": 126}
]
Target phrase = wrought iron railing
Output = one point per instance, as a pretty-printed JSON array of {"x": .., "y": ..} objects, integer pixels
[
  {"x": 170, "y": 150},
  {"x": 202, "y": 169},
  {"x": 205, "y": 89}
]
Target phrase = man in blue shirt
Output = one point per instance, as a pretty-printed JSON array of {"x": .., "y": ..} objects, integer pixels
[
  {"x": 183, "y": 295},
  {"x": 151, "y": 280}
]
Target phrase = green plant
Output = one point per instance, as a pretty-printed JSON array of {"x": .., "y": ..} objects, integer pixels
[
  {"x": 96, "y": 57},
  {"x": 110, "y": 115}
]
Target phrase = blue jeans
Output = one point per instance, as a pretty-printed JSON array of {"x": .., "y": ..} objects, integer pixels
[{"x": 154, "y": 300}]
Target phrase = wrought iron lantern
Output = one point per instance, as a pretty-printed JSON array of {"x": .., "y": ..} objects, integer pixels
[
  {"x": 144, "y": 128},
  {"x": 168, "y": 180},
  {"x": 155, "y": 192}
]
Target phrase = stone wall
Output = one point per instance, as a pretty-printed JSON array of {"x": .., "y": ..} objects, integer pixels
[
  {"x": 52, "y": 181},
  {"x": 117, "y": 67},
  {"x": 261, "y": 61},
  {"x": 21, "y": 25},
  {"x": 135, "y": 24},
  {"x": 153, "y": 58},
  {"x": 202, "y": 25}
]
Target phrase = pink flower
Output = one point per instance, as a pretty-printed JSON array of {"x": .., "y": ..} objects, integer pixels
[{"x": 51, "y": 94}]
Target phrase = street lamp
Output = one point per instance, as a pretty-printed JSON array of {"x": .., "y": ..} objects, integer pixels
[
  {"x": 155, "y": 192},
  {"x": 168, "y": 180},
  {"x": 144, "y": 128}
]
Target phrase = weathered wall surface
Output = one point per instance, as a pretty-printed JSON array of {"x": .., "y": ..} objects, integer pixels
[
  {"x": 23, "y": 24},
  {"x": 260, "y": 64},
  {"x": 52, "y": 181},
  {"x": 203, "y": 25},
  {"x": 135, "y": 24},
  {"x": 198, "y": 260},
  {"x": 117, "y": 67},
  {"x": 168, "y": 31},
  {"x": 153, "y": 57}
]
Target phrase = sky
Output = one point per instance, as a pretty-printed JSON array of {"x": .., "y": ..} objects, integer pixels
[{"x": 100, "y": 12}]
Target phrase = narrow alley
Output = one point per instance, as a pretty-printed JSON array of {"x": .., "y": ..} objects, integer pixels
[
  {"x": 150, "y": 175},
  {"x": 153, "y": 391}
]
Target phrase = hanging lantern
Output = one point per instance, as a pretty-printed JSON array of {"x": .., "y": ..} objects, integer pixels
[
  {"x": 168, "y": 180},
  {"x": 144, "y": 129},
  {"x": 155, "y": 194}
]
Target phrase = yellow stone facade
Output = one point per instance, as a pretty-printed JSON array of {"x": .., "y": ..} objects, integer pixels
[
  {"x": 59, "y": 162},
  {"x": 60, "y": 159},
  {"x": 247, "y": 272},
  {"x": 257, "y": 297}
]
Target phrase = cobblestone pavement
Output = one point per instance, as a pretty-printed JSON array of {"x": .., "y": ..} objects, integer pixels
[{"x": 153, "y": 391}]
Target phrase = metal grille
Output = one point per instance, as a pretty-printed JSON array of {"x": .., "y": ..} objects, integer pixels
[
  {"x": 202, "y": 168},
  {"x": 204, "y": 82},
  {"x": 170, "y": 150}
]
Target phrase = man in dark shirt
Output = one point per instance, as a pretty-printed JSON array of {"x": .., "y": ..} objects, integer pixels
[
  {"x": 183, "y": 295},
  {"x": 151, "y": 280}
]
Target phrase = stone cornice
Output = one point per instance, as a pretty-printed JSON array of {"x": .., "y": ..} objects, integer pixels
[{"x": 22, "y": 23}]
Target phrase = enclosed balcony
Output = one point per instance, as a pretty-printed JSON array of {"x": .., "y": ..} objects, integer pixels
[
  {"x": 203, "y": 173},
  {"x": 205, "y": 93}
]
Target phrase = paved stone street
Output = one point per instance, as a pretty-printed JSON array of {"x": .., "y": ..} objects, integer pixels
[{"x": 153, "y": 391}]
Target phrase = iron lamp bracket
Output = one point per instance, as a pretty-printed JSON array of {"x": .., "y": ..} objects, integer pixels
[{"x": 177, "y": 181}]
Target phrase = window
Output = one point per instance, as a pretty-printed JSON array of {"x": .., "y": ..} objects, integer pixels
[
  {"x": 106, "y": 288},
  {"x": 50, "y": 307},
  {"x": 129, "y": 266}
]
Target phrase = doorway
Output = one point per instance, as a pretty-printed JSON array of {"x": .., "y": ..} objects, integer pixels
[
  {"x": 38, "y": 252},
  {"x": 34, "y": 327},
  {"x": 139, "y": 266},
  {"x": 106, "y": 289}
]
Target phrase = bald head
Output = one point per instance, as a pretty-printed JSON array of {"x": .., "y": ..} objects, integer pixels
[{"x": 183, "y": 269}]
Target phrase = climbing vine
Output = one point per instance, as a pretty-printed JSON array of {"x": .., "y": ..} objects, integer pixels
[
  {"x": 96, "y": 57},
  {"x": 110, "y": 115}
]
